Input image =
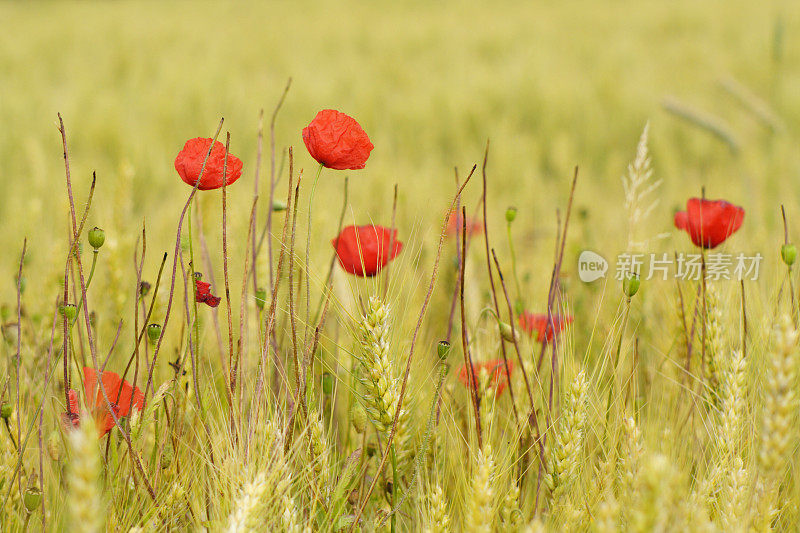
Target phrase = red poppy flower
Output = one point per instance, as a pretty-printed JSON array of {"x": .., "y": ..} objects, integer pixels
[
  {"x": 364, "y": 250},
  {"x": 455, "y": 224},
  {"x": 337, "y": 141},
  {"x": 709, "y": 222},
  {"x": 190, "y": 161},
  {"x": 120, "y": 393},
  {"x": 496, "y": 370},
  {"x": 202, "y": 294},
  {"x": 538, "y": 323}
]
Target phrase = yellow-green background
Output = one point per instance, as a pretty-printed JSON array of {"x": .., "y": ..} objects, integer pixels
[{"x": 552, "y": 84}]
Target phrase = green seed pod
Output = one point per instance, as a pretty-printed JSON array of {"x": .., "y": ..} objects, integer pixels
[
  {"x": 97, "y": 237},
  {"x": 68, "y": 311},
  {"x": 327, "y": 383},
  {"x": 32, "y": 499},
  {"x": 630, "y": 284},
  {"x": 358, "y": 416},
  {"x": 185, "y": 243},
  {"x": 54, "y": 446},
  {"x": 789, "y": 254},
  {"x": 506, "y": 332},
  {"x": 443, "y": 350},
  {"x": 153, "y": 333},
  {"x": 511, "y": 214},
  {"x": 261, "y": 297},
  {"x": 6, "y": 410},
  {"x": 278, "y": 206}
]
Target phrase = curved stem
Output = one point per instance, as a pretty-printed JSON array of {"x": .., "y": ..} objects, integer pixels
[{"x": 88, "y": 283}]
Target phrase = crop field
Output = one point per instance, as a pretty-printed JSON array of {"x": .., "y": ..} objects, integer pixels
[{"x": 399, "y": 266}]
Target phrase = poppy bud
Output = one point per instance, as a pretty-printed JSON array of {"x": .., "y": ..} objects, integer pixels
[
  {"x": 443, "y": 350},
  {"x": 96, "y": 237},
  {"x": 144, "y": 289},
  {"x": 32, "y": 499},
  {"x": 327, "y": 383},
  {"x": 630, "y": 284},
  {"x": 261, "y": 297},
  {"x": 54, "y": 446},
  {"x": 278, "y": 206},
  {"x": 6, "y": 410},
  {"x": 185, "y": 243},
  {"x": 153, "y": 332},
  {"x": 511, "y": 214},
  {"x": 68, "y": 311},
  {"x": 506, "y": 332},
  {"x": 359, "y": 418},
  {"x": 789, "y": 254}
]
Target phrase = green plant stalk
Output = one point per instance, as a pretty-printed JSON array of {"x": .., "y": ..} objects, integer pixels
[
  {"x": 613, "y": 386},
  {"x": 88, "y": 283},
  {"x": 513, "y": 262},
  {"x": 196, "y": 326},
  {"x": 308, "y": 246}
]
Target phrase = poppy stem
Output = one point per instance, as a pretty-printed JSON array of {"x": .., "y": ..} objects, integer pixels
[
  {"x": 308, "y": 249},
  {"x": 514, "y": 266}
]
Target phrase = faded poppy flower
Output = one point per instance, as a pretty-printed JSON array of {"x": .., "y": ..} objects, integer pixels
[
  {"x": 455, "y": 224},
  {"x": 120, "y": 393},
  {"x": 202, "y": 293},
  {"x": 496, "y": 370},
  {"x": 364, "y": 250},
  {"x": 189, "y": 162},
  {"x": 538, "y": 323},
  {"x": 337, "y": 141},
  {"x": 709, "y": 222}
]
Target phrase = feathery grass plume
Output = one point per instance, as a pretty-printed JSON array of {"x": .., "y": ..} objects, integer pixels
[
  {"x": 731, "y": 499},
  {"x": 732, "y": 404},
  {"x": 656, "y": 507},
  {"x": 639, "y": 190},
  {"x": 480, "y": 506},
  {"x": 172, "y": 509},
  {"x": 246, "y": 512},
  {"x": 703, "y": 120},
  {"x": 378, "y": 378},
  {"x": 438, "y": 519},
  {"x": 510, "y": 513},
  {"x": 84, "y": 500},
  {"x": 715, "y": 350},
  {"x": 629, "y": 465},
  {"x": 318, "y": 452},
  {"x": 765, "y": 511},
  {"x": 732, "y": 506},
  {"x": 780, "y": 402},
  {"x": 8, "y": 464},
  {"x": 290, "y": 518},
  {"x": 564, "y": 460},
  {"x": 607, "y": 516}
]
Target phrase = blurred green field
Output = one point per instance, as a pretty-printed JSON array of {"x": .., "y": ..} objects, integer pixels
[{"x": 550, "y": 85}]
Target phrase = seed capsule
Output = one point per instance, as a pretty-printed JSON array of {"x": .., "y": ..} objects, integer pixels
[{"x": 97, "y": 237}]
